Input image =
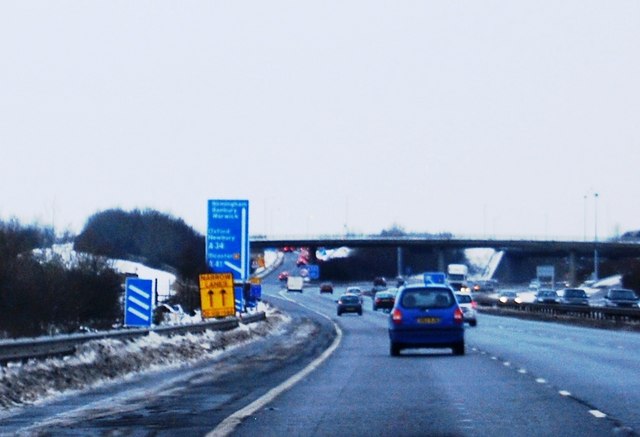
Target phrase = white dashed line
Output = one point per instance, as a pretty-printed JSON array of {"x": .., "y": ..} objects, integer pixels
[
  {"x": 564, "y": 393},
  {"x": 541, "y": 380},
  {"x": 522, "y": 371},
  {"x": 598, "y": 414}
]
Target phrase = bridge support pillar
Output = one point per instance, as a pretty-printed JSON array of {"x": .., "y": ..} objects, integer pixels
[
  {"x": 441, "y": 266},
  {"x": 400, "y": 261},
  {"x": 572, "y": 268},
  {"x": 313, "y": 258}
]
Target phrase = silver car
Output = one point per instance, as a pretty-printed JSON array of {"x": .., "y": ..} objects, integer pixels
[{"x": 468, "y": 307}]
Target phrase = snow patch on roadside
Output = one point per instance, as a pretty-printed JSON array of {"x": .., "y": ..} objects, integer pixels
[{"x": 103, "y": 361}]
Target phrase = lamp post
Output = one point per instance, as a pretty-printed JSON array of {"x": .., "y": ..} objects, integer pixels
[
  {"x": 584, "y": 225},
  {"x": 595, "y": 241}
]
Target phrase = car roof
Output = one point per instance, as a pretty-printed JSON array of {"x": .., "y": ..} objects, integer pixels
[{"x": 437, "y": 286}]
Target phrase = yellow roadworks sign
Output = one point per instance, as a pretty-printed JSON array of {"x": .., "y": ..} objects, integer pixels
[{"x": 216, "y": 295}]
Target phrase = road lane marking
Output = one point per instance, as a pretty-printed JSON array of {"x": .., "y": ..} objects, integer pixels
[
  {"x": 597, "y": 413},
  {"x": 541, "y": 381},
  {"x": 564, "y": 393},
  {"x": 228, "y": 425}
]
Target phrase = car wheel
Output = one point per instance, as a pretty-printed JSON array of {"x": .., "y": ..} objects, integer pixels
[
  {"x": 458, "y": 349},
  {"x": 374, "y": 308},
  {"x": 360, "y": 312},
  {"x": 394, "y": 349},
  {"x": 473, "y": 322},
  {"x": 339, "y": 313}
]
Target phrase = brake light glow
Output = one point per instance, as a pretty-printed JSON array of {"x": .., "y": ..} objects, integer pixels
[
  {"x": 458, "y": 316},
  {"x": 474, "y": 304},
  {"x": 396, "y": 316}
]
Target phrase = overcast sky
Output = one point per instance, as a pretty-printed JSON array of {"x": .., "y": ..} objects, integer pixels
[{"x": 473, "y": 117}]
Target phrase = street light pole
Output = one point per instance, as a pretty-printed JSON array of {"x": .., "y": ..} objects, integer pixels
[
  {"x": 595, "y": 242},
  {"x": 584, "y": 226}
]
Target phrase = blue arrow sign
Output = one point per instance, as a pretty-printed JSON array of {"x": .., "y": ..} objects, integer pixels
[
  {"x": 228, "y": 237},
  {"x": 138, "y": 302}
]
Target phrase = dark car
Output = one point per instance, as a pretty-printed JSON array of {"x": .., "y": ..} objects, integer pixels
[
  {"x": 547, "y": 296},
  {"x": 383, "y": 300},
  {"x": 426, "y": 316},
  {"x": 326, "y": 287},
  {"x": 573, "y": 296},
  {"x": 621, "y": 298},
  {"x": 379, "y": 280},
  {"x": 349, "y": 303}
]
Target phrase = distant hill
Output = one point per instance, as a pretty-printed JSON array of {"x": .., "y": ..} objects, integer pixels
[{"x": 154, "y": 238}]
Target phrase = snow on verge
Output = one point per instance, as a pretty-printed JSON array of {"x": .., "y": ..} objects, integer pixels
[{"x": 103, "y": 361}]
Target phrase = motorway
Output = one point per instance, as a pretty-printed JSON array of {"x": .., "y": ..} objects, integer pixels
[{"x": 518, "y": 378}]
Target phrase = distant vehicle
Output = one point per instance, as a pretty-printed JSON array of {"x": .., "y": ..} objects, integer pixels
[
  {"x": 355, "y": 290},
  {"x": 349, "y": 303},
  {"x": 383, "y": 300},
  {"x": 326, "y": 287},
  {"x": 295, "y": 283},
  {"x": 380, "y": 281},
  {"x": 484, "y": 286},
  {"x": 468, "y": 307},
  {"x": 283, "y": 276},
  {"x": 509, "y": 297},
  {"x": 426, "y": 316},
  {"x": 457, "y": 277},
  {"x": 573, "y": 296},
  {"x": 302, "y": 261},
  {"x": 621, "y": 298},
  {"x": 547, "y": 296}
]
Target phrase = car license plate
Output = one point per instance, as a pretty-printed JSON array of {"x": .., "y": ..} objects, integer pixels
[{"x": 428, "y": 320}]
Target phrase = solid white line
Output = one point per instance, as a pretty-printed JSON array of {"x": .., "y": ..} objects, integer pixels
[{"x": 227, "y": 426}]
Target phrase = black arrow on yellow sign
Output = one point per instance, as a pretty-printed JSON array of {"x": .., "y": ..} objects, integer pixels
[
  {"x": 210, "y": 298},
  {"x": 223, "y": 292}
]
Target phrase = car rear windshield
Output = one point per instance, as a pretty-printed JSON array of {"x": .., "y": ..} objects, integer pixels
[
  {"x": 464, "y": 298},
  {"x": 575, "y": 293},
  {"x": 350, "y": 299},
  {"x": 622, "y": 294},
  {"x": 427, "y": 298}
]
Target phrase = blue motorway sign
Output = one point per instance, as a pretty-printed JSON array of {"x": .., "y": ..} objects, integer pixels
[
  {"x": 138, "y": 302},
  {"x": 228, "y": 237},
  {"x": 314, "y": 271},
  {"x": 435, "y": 278}
]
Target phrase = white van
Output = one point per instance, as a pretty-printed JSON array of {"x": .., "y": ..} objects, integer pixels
[{"x": 295, "y": 283}]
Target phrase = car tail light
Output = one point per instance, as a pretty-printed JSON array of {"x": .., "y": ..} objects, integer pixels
[
  {"x": 458, "y": 317},
  {"x": 474, "y": 304},
  {"x": 396, "y": 316}
]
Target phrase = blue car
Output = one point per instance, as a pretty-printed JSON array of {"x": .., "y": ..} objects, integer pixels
[{"x": 426, "y": 316}]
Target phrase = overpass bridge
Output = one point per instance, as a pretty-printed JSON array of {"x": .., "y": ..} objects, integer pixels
[{"x": 569, "y": 250}]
